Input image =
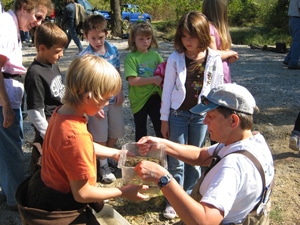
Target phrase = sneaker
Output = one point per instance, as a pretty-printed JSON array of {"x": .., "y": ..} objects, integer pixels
[
  {"x": 169, "y": 212},
  {"x": 295, "y": 141},
  {"x": 294, "y": 67},
  {"x": 107, "y": 176}
]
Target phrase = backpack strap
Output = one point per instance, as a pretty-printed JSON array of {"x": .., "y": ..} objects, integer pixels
[
  {"x": 266, "y": 191},
  {"x": 256, "y": 164}
]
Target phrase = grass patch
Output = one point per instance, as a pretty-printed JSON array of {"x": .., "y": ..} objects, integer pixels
[
  {"x": 276, "y": 215},
  {"x": 258, "y": 36}
]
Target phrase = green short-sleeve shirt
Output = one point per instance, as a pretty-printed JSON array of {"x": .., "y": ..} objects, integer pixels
[{"x": 138, "y": 64}]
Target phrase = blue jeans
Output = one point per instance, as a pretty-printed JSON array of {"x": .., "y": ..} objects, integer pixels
[
  {"x": 293, "y": 56},
  {"x": 12, "y": 163},
  {"x": 72, "y": 34},
  {"x": 186, "y": 128}
]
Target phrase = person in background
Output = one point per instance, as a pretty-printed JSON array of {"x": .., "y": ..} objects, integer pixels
[
  {"x": 25, "y": 36},
  {"x": 144, "y": 88},
  {"x": 192, "y": 70},
  {"x": 43, "y": 82},
  {"x": 107, "y": 125},
  {"x": 233, "y": 186},
  {"x": 295, "y": 135},
  {"x": 216, "y": 12},
  {"x": 292, "y": 58},
  {"x": 68, "y": 23},
  {"x": 25, "y": 15},
  {"x": 67, "y": 179}
]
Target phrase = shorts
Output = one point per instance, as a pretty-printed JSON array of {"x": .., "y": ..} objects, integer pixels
[{"x": 112, "y": 126}]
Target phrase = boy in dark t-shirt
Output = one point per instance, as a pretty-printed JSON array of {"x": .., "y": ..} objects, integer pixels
[{"x": 43, "y": 82}]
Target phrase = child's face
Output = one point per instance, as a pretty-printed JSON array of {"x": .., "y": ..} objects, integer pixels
[
  {"x": 96, "y": 40},
  {"x": 53, "y": 54},
  {"x": 191, "y": 43},
  {"x": 143, "y": 42},
  {"x": 92, "y": 107}
]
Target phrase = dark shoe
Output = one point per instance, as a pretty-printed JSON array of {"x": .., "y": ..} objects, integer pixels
[
  {"x": 285, "y": 63},
  {"x": 294, "y": 67}
]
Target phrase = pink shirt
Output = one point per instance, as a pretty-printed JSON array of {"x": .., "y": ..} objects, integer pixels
[{"x": 226, "y": 69}]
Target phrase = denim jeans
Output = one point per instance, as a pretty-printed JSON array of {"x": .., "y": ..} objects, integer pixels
[
  {"x": 72, "y": 34},
  {"x": 12, "y": 163},
  {"x": 186, "y": 128},
  {"x": 293, "y": 55}
]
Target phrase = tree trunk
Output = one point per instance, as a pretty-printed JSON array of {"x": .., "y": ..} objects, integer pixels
[{"x": 116, "y": 19}]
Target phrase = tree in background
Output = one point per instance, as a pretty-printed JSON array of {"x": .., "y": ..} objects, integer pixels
[{"x": 116, "y": 18}]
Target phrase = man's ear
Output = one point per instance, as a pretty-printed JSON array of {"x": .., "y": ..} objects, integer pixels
[{"x": 235, "y": 120}]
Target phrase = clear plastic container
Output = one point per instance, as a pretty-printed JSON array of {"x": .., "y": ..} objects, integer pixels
[{"x": 130, "y": 156}]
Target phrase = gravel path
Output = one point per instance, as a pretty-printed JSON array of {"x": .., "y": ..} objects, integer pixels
[{"x": 276, "y": 90}]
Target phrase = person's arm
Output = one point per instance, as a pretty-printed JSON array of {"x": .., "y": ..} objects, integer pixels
[
  {"x": 188, "y": 153},
  {"x": 231, "y": 55},
  {"x": 84, "y": 192},
  {"x": 7, "y": 111},
  {"x": 38, "y": 119},
  {"x": 189, "y": 210},
  {"x": 119, "y": 98},
  {"x": 131, "y": 74},
  {"x": 106, "y": 152},
  {"x": 140, "y": 81}
]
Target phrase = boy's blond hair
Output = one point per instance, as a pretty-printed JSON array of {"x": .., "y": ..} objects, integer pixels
[
  {"x": 141, "y": 28},
  {"x": 49, "y": 34},
  {"x": 94, "y": 74}
]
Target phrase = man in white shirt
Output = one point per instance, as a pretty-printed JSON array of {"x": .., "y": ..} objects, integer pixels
[{"x": 231, "y": 188}]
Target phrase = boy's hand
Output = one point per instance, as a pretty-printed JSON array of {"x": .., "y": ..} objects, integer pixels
[
  {"x": 131, "y": 192},
  {"x": 100, "y": 114}
]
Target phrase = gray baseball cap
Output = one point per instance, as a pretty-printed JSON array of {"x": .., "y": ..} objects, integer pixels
[{"x": 231, "y": 95}]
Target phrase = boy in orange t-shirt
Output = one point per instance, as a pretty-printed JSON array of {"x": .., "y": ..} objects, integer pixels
[{"x": 69, "y": 153}]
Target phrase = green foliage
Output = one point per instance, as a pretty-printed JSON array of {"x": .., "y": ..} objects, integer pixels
[
  {"x": 260, "y": 22},
  {"x": 243, "y": 12},
  {"x": 277, "y": 15},
  {"x": 7, "y": 4},
  {"x": 258, "y": 36}
]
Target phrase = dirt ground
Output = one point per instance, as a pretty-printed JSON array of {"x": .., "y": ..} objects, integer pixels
[{"x": 276, "y": 90}]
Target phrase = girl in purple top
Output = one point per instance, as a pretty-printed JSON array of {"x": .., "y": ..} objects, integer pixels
[{"x": 216, "y": 12}]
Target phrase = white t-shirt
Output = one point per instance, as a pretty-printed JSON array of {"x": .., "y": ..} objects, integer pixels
[
  {"x": 11, "y": 48},
  {"x": 234, "y": 185}
]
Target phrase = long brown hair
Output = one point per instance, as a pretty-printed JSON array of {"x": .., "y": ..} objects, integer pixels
[{"x": 196, "y": 24}]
